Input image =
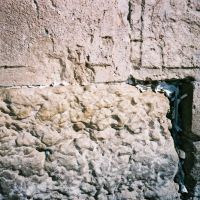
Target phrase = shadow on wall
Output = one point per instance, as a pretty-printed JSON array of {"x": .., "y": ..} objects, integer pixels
[{"x": 187, "y": 139}]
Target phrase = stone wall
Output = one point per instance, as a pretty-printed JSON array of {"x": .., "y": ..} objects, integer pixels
[
  {"x": 96, "y": 142},
  {"x": 88, "y": 140}
]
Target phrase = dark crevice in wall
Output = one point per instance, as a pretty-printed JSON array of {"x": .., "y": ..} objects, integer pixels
[
  {"x": 181, "y": 118},
  {"x": 36, "y": 4},
  {"x": 13, "y": 66},
  {"x": 141, "y": 31},
  {"x": 162, "y": 54},
  {"x": 188, "y": 138},
  {"x": 183, "y": 137},
  {"x": 190, "y": 182},
  {"x": 129, "y": 13},
  {"x": 186, "y": 108}
]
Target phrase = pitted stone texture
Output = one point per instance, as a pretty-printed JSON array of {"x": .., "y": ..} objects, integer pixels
[
  {"x": 76, "y": 41},
  {"x": 92, "y": 142}
]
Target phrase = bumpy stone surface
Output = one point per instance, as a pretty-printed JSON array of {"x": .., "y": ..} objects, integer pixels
[
  {"x": 92, "y": 142},
  {"x": 86, "y": 41}
]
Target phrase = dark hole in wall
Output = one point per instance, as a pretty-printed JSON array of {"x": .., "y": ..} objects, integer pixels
[
  {"x": 185, "y": 108},
  {"x": 183, "y": 139},
  {"x": 187, "y": 141},
  {"x": 187, "y": 137}
]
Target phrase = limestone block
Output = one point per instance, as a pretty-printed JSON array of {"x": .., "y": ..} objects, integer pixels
[
  {"x": 113, "y": 142},
  {"x": 97, "y": 41},
  {"x": 166, "y": 35},
  {"x": 46, "y": 41},
  {"x": 196, "y": 110}
]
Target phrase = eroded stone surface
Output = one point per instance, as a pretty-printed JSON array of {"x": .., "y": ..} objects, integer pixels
[{"x": 92, "y": 142}]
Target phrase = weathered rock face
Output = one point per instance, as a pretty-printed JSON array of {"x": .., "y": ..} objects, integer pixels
[
  {"x": 100, "y": 142},
  {"x": 86, "y": 41},
  {"x": 92, "y": 142}
]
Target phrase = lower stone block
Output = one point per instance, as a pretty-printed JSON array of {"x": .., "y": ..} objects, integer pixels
[{"x": 92, "y": 142}]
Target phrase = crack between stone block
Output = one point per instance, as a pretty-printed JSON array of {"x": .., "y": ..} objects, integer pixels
[
  {"x": 129, "y": 14},
  {"x": 162, "y": 56},
  {"x": 130, "y": 80},
  {"x": 141, "y": 31},
  {"x": 12, "y": 66},
  {"x": 131, "y": 28}
]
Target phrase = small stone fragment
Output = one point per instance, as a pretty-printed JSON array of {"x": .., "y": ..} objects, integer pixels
[{"x": 182, "y": 154}]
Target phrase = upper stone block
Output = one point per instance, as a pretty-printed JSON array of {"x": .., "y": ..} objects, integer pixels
[
  {"x": 46, "y": 41},
  {"x": 167, "y": 33},
  {"x": 98, "y": 41}
]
